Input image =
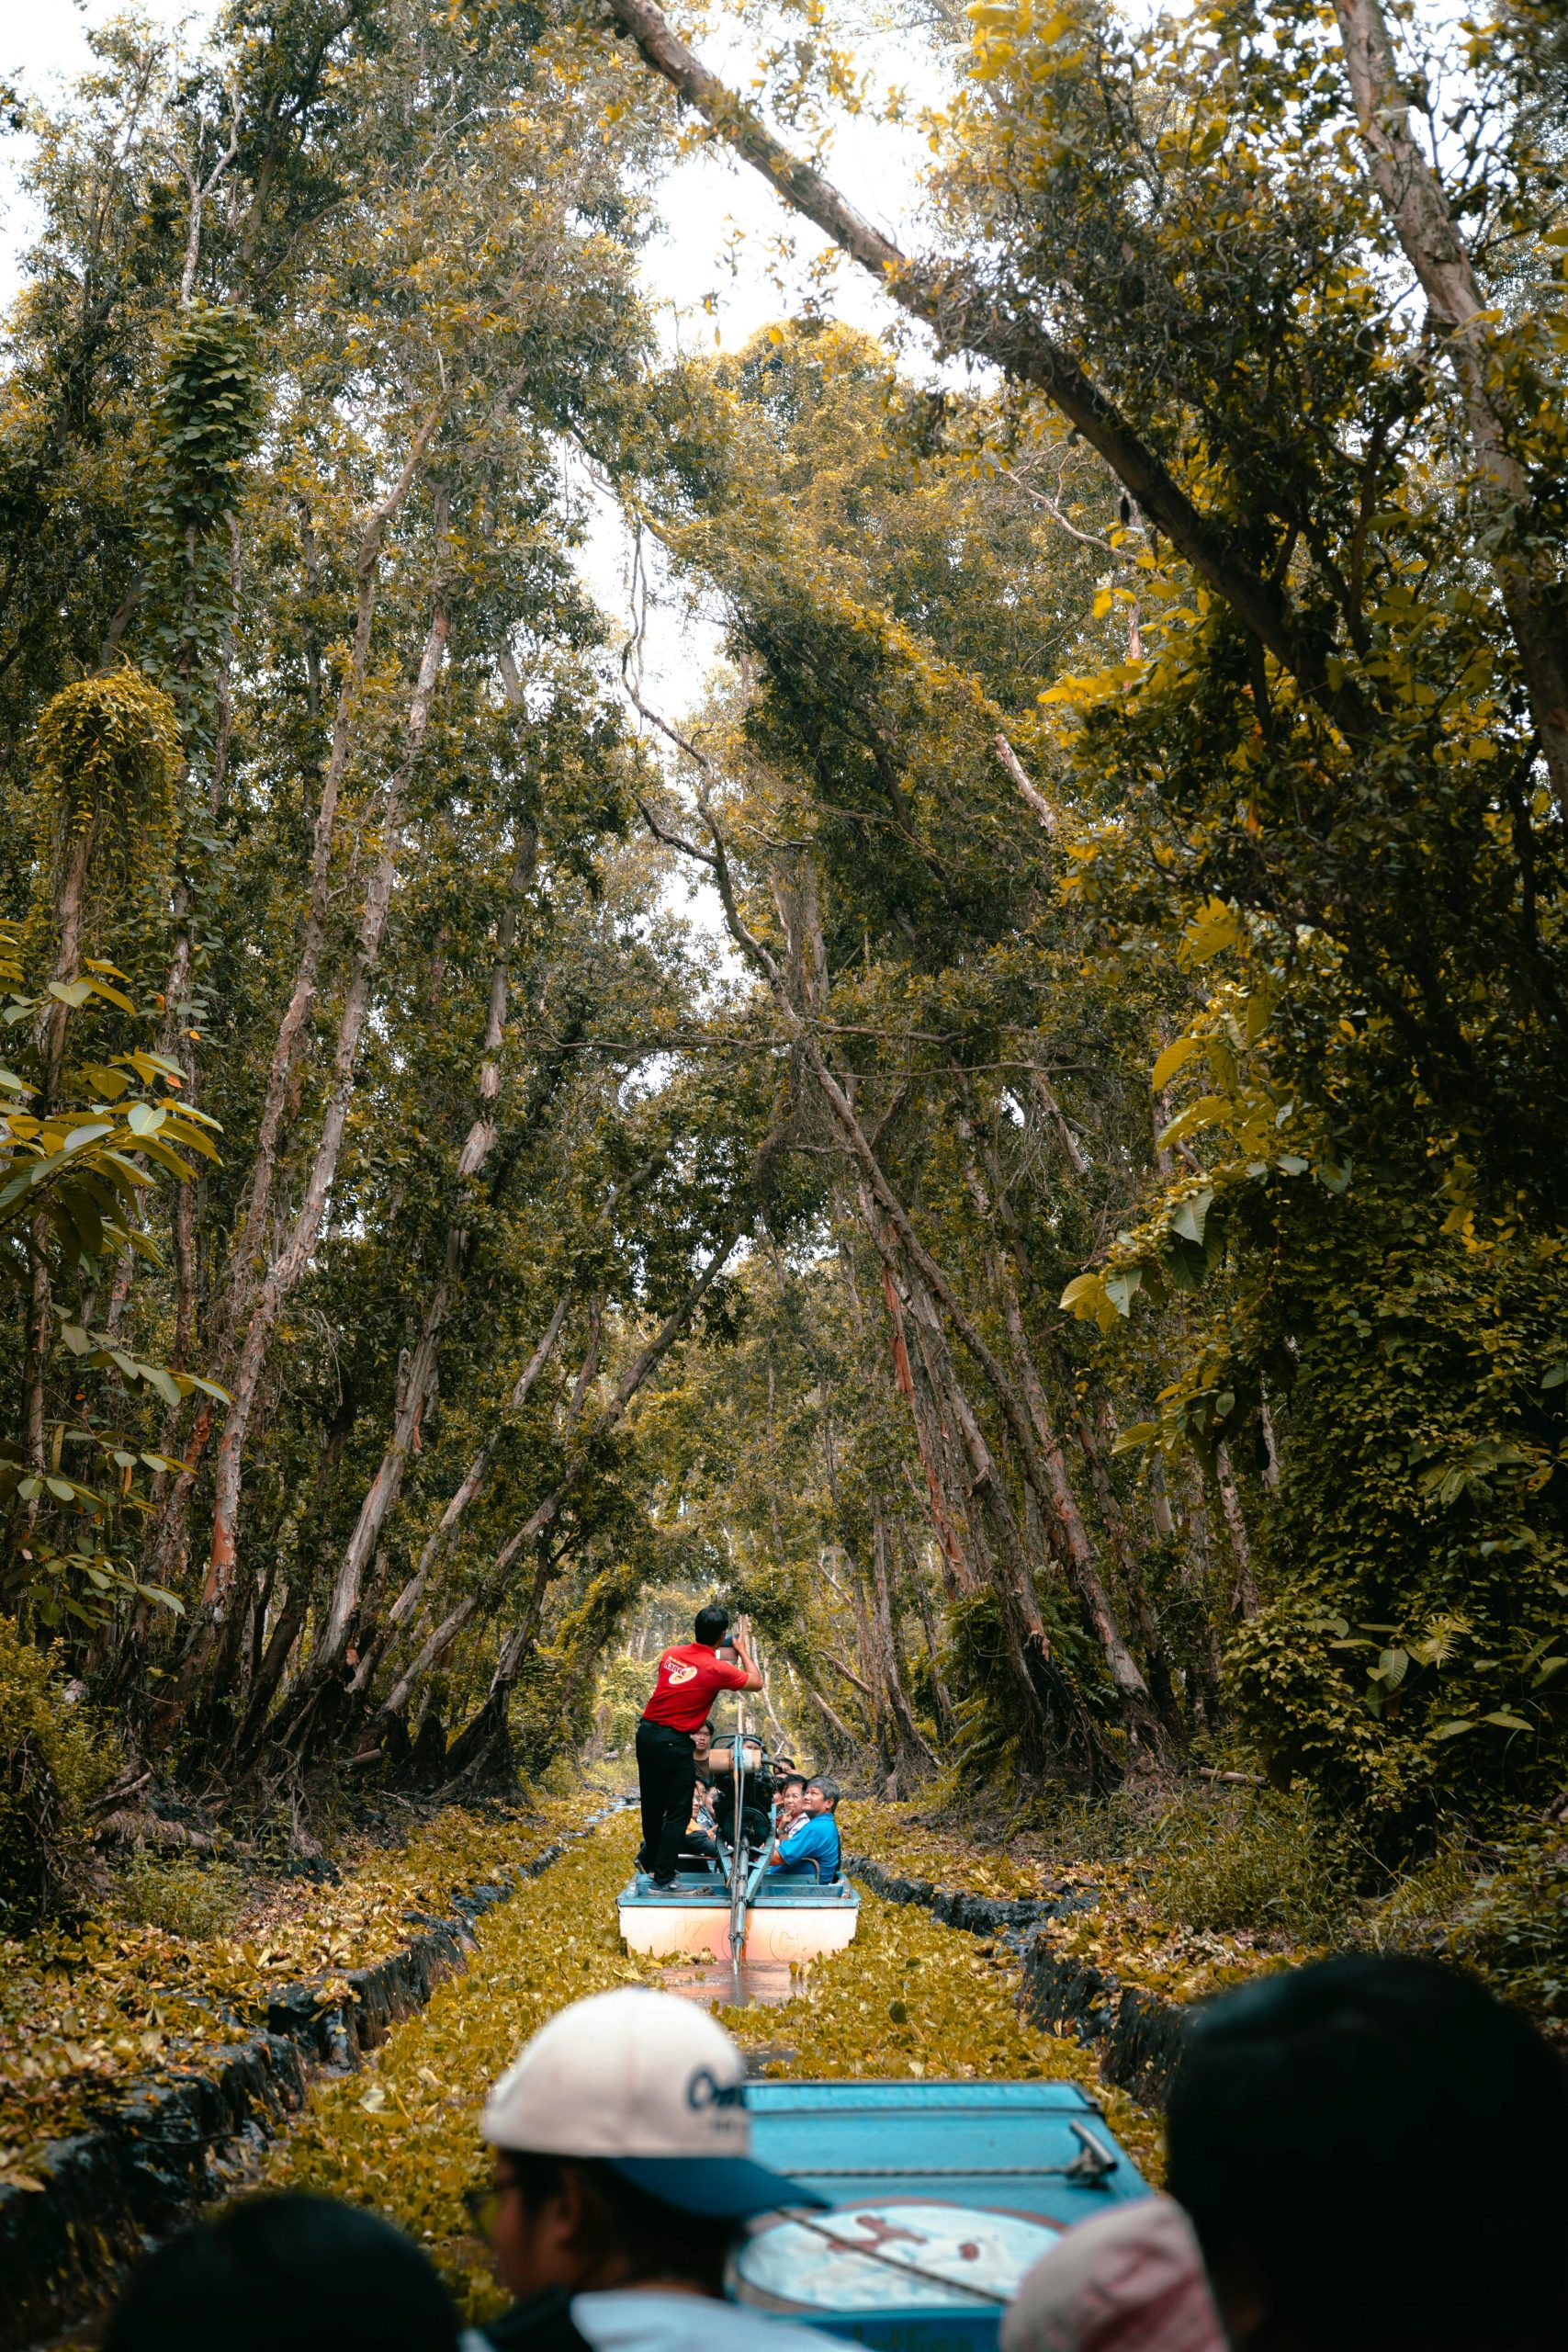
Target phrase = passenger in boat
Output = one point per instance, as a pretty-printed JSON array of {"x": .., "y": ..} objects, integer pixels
[
  {"x": 791, "y": 1801},
  {"x": 1373, "y": 2151},
  {"x": 623, "y": 2182},
  {"x": 809, "y": 1847},
  {"x": 687, "y": 1681},
  {"x": 698, "y": 1847},
  {"x": 285, "y": 2274},
  {"x": 1131, "y": 2280}
]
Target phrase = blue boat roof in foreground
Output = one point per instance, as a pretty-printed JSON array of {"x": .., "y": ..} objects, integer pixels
[{"x": 945, "y": 2192}]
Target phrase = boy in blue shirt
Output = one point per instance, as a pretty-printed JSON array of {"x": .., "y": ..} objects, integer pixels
[{"x": 810, "y": 1849}]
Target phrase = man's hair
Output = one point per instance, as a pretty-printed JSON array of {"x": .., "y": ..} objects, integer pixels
[
  {"x": 297, "y": 2270},
  {"x": 713, "y": 1624},
  {"x": 1380, "y": 2149},
  {"x": 830, "y": 1788},
  {"x": 624, "y": 2232}
]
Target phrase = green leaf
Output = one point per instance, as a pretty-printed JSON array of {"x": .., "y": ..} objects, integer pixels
[
  {"x": 1141, "y": 1434},
  {"x": 1501, "y": 1716},
  {"x": 90, "y": 1131},
  {"x": 1212, "y": 929},
  {"x": 1191, "y": 1217},
  {"x": 1080, "y": 1292},
  {"x": 1176, "y": 1057}
]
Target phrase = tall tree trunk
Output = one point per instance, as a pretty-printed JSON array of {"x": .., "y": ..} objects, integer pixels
[
  {"x": 248, "y": 1252},
  {"x": 1245, "y": 1601},
  {"x": 474, "y": 1479},
  {"x": 647, "y": 1361},
  {"x": 1029, "y": 1649},
  {"x": 381, "y": 1496},
  {"x": 892, "y": 1231},
  {"x": 1413, "y": 196},
  {"x": 910, "y": 1743},
  {"x": 439, "y": 1540},
  {"x": 289, "y": 1262}
]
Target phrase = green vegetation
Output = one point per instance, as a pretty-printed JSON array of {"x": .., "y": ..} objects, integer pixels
[
  {"x": 1084, "y": 1266},
  {"x": 179, "y": 1895},
  {"x": 54, "y": 1760}
]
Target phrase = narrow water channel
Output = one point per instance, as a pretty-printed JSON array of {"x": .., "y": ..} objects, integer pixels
[
  {"x": 722, "y": 1984},
  {"x": 907, "y": 1997}
]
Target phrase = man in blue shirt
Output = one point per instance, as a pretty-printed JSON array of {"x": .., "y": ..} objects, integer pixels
[{"x": 810, "y": 1849}]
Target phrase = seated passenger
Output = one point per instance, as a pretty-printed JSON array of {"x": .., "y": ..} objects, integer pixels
[
  {"x": 1323, "y": 2118},
  {"x": 791, "y": 1801},
  {"x": 809, "y": 1847},
  {"x": 623, "y": 2182},
  {"x": 1131, "y": 2280},
  {"x": 697, "y": 1847},
  {"x": 285, "y": 2274}
]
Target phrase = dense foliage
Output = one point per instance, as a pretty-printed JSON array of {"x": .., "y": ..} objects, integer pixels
[{"x": 1089, "y": 1274}]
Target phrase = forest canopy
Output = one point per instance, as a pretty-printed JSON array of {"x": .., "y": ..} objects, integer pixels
[{"x": 1076, "y": 1246}]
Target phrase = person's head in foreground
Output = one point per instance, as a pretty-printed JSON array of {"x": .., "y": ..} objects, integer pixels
[
  {"x": 792, "y": 1795},
  {"x": 712, "y": 1625},
  {"x": 822, "y": 1795},
  {"x": 623, "y": 2151},
  {"x": 1131, "y": 2280},
  {"x": 1374, "y": 2155},
  {"x": 285, "y": 2274}
]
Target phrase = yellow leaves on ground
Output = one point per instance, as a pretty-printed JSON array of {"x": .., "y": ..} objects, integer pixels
[
  {"x": 87, "y": 2021},
  {"x": 1122, "y": 1932}
]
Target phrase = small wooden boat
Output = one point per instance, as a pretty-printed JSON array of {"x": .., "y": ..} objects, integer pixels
[
  {"x": 735, "y": 1908},
  {"x": 783, "y": 1920}
]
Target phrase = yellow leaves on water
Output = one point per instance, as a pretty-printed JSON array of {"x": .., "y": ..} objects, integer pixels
[
  {"x": 403, "y": 2136},
  {"x": 907, "y": 1999}
]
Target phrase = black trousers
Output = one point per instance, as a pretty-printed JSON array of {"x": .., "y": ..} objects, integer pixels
[{"x": 667, "y": 1779}]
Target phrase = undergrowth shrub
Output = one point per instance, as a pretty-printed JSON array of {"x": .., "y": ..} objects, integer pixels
[
  {"x": 180, "y": 1894},
  {"x": 1419, "y": 1909},
  {"x": 53, "y": 1761},
  {"x": 1252, "y": 1859},
  {"x": 1512, "y": 1927}
]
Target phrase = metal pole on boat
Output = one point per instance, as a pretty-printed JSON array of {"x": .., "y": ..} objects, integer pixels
[{"x": 737, "y": 1850}]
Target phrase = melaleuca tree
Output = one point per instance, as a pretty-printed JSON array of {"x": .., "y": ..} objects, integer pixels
[
  {"x": 1331, "y": 750},
  {"x": 876, "y": 838},
  {"x": 333, "y": 310}
]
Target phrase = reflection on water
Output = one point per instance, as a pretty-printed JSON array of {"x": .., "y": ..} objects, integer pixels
[{"x": 761, "y": 1984}]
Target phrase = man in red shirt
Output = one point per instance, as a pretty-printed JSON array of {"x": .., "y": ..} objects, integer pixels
[{"x": 688, "y": 1681}]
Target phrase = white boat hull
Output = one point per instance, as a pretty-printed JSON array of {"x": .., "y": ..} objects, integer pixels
[{"x": 800, "y": 1927}]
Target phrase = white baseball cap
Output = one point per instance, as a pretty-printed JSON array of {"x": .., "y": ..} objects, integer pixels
[{"x": 650, "y": 2085}]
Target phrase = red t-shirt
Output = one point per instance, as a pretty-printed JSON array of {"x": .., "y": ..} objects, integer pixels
[{"x": 688, "y": 1681}]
